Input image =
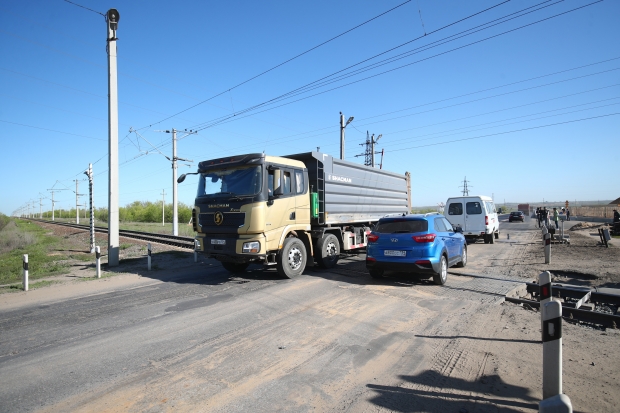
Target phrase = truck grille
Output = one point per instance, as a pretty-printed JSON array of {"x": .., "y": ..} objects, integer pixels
[{"x": 231, "y": 220}]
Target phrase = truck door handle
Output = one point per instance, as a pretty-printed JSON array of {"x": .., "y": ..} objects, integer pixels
[{"x": 292, "y": 216}]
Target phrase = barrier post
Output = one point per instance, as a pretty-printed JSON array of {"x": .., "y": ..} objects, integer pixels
[
  {"x": 547, "y": 248},
  {"x": 98, "y": 259},
  {"x": 149, "y": 248},
  {"x": 25, "y": 278},
  {"x": 544, "y": 286},
  {"x": 552, "y": 350},
  {"x": 556, "y": 404}
]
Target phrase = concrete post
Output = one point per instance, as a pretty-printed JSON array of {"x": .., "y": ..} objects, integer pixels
[
  {"x": 25, "y": 278},
  {"x": 175, "y": 210},
  {"x": 98, "y": 260},
  {"x": 149, "y": 259},
  {"x": 112, "y": 18},
  {"x": 547, "y": 248}
]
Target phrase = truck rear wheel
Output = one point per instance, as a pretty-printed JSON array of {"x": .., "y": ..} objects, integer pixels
[
  {"x": 328, "y": 251},
  {"x": 234, "y": 267},
  {"x": 292, "y": 258}
]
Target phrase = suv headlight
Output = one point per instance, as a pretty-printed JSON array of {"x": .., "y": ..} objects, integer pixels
[{"x": 253, "y": 246}]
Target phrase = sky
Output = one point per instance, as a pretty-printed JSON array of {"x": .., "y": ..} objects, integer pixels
[{"x": 519, "y": 98}]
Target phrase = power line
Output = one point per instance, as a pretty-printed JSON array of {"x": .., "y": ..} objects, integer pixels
[
  {"x": 299, "y": 90},
  {"x": 235, "y": 115},
  {"x": 79, "y": 5},
  {"x": 507, "y": 132},
  {"x": 274, "y": 67}
]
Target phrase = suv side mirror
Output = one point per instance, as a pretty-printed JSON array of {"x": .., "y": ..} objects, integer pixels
[{"x": 458, "y": 229}]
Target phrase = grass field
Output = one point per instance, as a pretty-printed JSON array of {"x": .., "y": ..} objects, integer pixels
[{"x": 20, "y": 237}]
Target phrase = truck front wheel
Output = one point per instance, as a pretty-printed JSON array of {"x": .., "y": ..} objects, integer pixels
[
  {"x": 292, "y": 258},
  {"x": 328, "y": 251}
]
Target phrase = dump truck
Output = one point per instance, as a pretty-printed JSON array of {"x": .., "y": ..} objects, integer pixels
[
  {"x": 525, "y": 208},
  {"x": 290, "y": 211}
]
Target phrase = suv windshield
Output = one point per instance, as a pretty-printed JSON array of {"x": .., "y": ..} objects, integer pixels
[
  {"x": 231, "y": 181},
  {"x": 401, "y": 225}
]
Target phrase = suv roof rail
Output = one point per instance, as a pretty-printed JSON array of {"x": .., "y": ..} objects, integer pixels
[{"x": 431, "y": 213}]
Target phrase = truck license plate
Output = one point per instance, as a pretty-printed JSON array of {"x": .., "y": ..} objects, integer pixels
[
  {"x": 394, "y": 253},
  {"x": 218, "y": 242}
]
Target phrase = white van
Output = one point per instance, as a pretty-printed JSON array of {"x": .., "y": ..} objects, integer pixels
[{"x": 476, "y": 215}]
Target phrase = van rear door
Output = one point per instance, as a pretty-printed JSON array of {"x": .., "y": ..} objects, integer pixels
[{"x": 474, "y": 216}]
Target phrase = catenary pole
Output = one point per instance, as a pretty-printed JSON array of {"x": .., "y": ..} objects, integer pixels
[
  {"x": 175, "y": 209},
  {"x": 163, "y": 203},
  {"x": 112, "y": 18}
]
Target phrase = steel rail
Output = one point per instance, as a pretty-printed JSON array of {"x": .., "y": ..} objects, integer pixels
[{"x": 173, "y": 240}]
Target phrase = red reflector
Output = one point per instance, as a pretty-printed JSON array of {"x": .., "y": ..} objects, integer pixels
[
  {"x": 370, "y": 259},
  {"x": 486, "y": 220},
  {"x": 424, "y": 238},
  {"x": 423, "y": 262},
  {"x": 372, "y": 237},
  {"x": 544, "y": 291}
]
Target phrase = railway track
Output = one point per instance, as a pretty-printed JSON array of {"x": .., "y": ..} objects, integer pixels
[{"x": 176, "y": 241}]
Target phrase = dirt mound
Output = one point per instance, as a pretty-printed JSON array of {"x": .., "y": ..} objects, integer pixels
[{"x": 586, "y": 225}]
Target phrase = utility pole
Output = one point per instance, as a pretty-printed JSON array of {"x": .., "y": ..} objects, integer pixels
[
  {"x": 163, "y": 202},
  {"x": 369, "y": 153},
  {"x": 175, "y": 208},
  {"x": 342, "y": 126},
  {"x": 89, "y": 174},
  {"x": 372, "y": 142},
  {"x": 77, "y": 203},
  {"x": 52, "y": 190},
  {"x": 112, "y": 19},
  {"x": 40, "y": 206},
  {"x": 464, "y": 186}
]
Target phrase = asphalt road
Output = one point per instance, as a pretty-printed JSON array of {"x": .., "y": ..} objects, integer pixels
[{"x": 201, "y": 340}]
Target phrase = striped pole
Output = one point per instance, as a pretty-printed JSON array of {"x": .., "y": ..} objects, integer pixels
[
  {"x": 98, "y": 256},
  {"x": 149, "y": 259},
  {"x": 25, "y": 279}
]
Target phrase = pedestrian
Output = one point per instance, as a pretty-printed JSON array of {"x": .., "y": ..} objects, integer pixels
[
  {"x": 616, "y": 216},
  {"x": 539, "y": 216},
  {"x": 567, "y": 214},
  {"x": 556, "y": 217}
]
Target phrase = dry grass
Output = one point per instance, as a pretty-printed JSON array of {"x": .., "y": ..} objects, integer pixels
[{"x": 12, "y": 238}]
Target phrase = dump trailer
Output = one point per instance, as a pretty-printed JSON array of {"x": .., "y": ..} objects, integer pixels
[{"x": 290, "y": 211}]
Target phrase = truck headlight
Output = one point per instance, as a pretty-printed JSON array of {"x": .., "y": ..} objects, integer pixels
[{"x": 253, "y": 246}]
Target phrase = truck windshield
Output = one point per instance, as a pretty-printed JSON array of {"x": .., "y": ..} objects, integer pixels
[{"x": 240, "y": 181}]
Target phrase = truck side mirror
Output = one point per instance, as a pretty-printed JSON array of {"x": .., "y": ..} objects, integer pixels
[{"x": 181, "y": 178}]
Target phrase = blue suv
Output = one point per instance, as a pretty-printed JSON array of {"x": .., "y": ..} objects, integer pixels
[{"x": 417, "y": 243}]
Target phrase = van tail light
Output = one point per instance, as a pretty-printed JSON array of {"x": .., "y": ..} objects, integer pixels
[
  {"x": 372, "y": 237},
  {"x": 424, "y": 238},
  {"x": 486, "y": 220}
]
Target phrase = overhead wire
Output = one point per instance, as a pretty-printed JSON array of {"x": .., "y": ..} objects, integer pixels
[
  {"x": 275, "y": 67},
  {"x": 236, "y": 115}
]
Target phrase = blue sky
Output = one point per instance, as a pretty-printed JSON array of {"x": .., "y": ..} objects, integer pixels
[{"x": 527, "y": 115}]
